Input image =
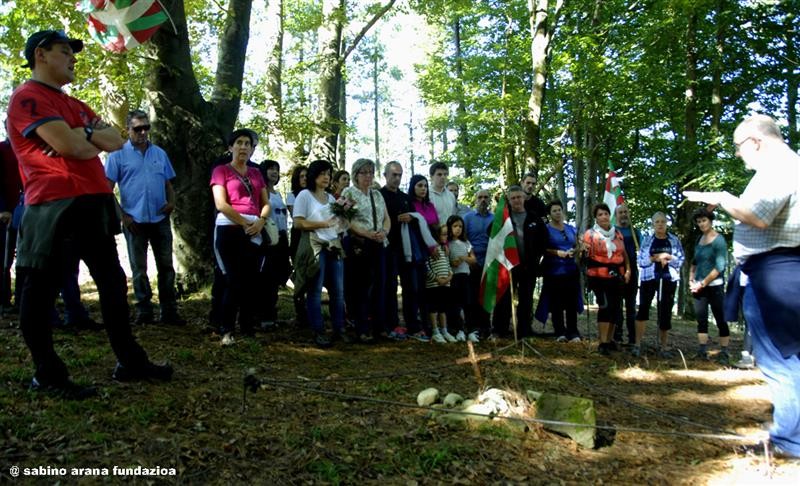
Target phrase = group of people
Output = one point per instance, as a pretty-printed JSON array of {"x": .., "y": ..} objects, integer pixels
[{"x": 358, "y": 240}]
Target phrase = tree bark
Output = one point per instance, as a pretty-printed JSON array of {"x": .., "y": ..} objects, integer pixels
[
  {"x": 792, "y": 76},
  {"x": 461, "y": 108},
  {"x": 192, "y": 131},
  {"x": 376, "y": 104},
  {"x": 273, "y": 108},
  {"x": 332, "y": 56},
  {"x": 543, "y": 20}
]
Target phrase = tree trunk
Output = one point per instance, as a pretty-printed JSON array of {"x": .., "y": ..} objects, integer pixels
[
  {"x": 273, "y": 108},
  {"x": 341, "y": 148},
  {"x": 191, "y": 130},
  {"x": 329, "y": 62},
  {"x": 542, "y": 23},
  {"x": 331, "y": 57},
  {"x": 461, "y": 108},
  {"x": 376, "y": 105},
  {"x": 792, "y": 76},
  {"x": 683, "y": 223}
]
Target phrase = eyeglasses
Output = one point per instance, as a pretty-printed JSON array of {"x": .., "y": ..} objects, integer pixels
[
  {"x": 739, "y": 144},
  {"x": 141, "y": 128}
]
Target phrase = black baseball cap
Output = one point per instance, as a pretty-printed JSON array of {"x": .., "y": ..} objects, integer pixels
[{"x": 45, "y": 38}]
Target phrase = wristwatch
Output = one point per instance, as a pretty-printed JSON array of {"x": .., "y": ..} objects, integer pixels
[{"x": 89, "y": 132}]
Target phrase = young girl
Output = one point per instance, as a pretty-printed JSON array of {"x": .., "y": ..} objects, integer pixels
[
  {"x": 437, "y": 287},
  {"x": 461, "y": 257}
]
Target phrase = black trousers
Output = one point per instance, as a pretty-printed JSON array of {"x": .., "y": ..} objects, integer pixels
[
  {"x": 629, "y": 291},
  {"x": 78, "y": 233},
  {"x": 274, "y": 273},
  {"x": 523, "y": 287},
  {"x": 239, "y": 259}
]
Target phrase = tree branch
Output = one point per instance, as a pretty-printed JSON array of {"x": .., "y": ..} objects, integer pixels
[
  {"x": 366, "y": 28},
  {"x": 227, "y": 93}
]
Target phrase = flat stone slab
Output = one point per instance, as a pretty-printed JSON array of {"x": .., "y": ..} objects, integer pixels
[{"x": 565, "y": 408}]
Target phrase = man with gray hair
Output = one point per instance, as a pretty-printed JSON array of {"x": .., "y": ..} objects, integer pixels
[
  {"x": 766, "y": 245},
  {"x": 147, "y": 198}
]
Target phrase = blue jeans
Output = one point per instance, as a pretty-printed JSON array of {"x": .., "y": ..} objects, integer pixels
[
  {"x": 159, "y": 237},
  {"x": 331, "y": 274},
  {"x": 782, "y": 375}
]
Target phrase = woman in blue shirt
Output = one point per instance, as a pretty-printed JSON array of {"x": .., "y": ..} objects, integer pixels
[{"x": 561, "y": 290}]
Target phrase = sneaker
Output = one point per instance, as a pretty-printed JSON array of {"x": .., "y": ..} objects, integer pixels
[
  {"x": 461, "y": 337},
  {"x": 438, "y": 338},
  {"x": 746, "y": 363},
  {"x": 321, "y": 340},
  {"x": 473, "y": 337},
  {"x": 604, "y": 349},
  {"x": 227, "y": 339},
  {"x": 421, "y": 336},
  {"x": 144, "y": 372},
  {"x": 636, "y": 351},
  {"x": 267, "y": 325},
  {"x": 448, "y": 337},
  {"x": 67, "y": 389},
  {"x": 576, "y": 339},
  {"x": 398, "y": 334},
  {"x": 724, "y": 358},
  {"x": 561, "y": 339}
]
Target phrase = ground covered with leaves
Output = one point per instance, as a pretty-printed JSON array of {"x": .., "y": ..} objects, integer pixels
[{"x": 306, "y": 425}]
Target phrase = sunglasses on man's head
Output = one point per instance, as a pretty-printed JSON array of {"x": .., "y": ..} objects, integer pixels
[{"x": 141, "y": 128}]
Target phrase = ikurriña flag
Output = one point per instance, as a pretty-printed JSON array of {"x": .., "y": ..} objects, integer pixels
[
  {"x": 121, "y": 25},
  {"x": 501, "y": 257},
  {"x": 613, "y": 193}
]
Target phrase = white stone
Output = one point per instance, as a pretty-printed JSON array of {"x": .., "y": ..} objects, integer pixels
[{"x": 427, "y": 397}]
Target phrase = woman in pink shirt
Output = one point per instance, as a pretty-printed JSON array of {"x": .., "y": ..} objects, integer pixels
[{"x": 240, "y": 196}]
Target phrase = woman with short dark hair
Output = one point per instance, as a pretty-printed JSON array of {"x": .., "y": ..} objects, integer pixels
[
  {"x": 319, "y": 253},
  {"x": 561, "y": 287},
  {"x": 707, "y": 284},
  {"x": 607, "y": 268},
  {"x": 240, "y": 196}
]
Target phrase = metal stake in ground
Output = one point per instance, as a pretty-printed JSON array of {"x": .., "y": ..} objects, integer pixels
[{"x": 474, "y": 360}]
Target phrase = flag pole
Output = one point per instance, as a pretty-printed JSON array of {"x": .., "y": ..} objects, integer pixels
[{"x": 513, "y": 306}]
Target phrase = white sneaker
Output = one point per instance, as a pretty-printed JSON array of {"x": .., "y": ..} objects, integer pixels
[
  {"x": 461, "y": 337},
  {"x": 449, "y": 337},
  {"x": 561, "y": 339},
  {"x": 438, "y": 338},
  {"x": 576, "y": 339},
  {"x": 227, "y": 339},
  {"x": 473, "y": 337}
]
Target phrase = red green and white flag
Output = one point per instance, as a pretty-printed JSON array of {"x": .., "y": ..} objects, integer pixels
[
  {"x": 613, "y": 193},
  {"x": 501, "y": 257},
  {"x": 121, "y": 25}
]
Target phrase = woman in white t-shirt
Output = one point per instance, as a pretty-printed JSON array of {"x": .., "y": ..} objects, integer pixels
[{"x": 313, "y": 218}]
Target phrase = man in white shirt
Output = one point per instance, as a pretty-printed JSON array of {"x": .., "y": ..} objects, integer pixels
[{"x": 442, "y": 199}]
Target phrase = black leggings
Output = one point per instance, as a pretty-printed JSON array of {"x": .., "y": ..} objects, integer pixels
[
  {"x": 647, "y": 291},
  {"x": 608, "y": 293},
  {"x": 715, "y": 297}
]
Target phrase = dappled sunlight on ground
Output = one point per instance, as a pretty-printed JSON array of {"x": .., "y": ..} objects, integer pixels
[{"x": 721, "y": 376}]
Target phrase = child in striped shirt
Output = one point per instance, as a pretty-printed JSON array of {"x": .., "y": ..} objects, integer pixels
[{"x": 437, "y": 287}]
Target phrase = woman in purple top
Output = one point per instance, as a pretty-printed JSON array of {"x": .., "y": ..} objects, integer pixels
[
  {"x": 420, "y": 199},
  {"x": 240, "y": 196},
  {"x": 561, "y": 289}
]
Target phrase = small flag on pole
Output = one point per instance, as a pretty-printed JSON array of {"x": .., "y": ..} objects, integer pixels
[
  {"x": 613, "y": 193},
  {"x": 501, "y": 257},
  {"x": 121, "y": 25}
]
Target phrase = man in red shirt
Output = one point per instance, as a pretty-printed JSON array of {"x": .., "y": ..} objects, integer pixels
[{"x": 70, "y": 213}]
